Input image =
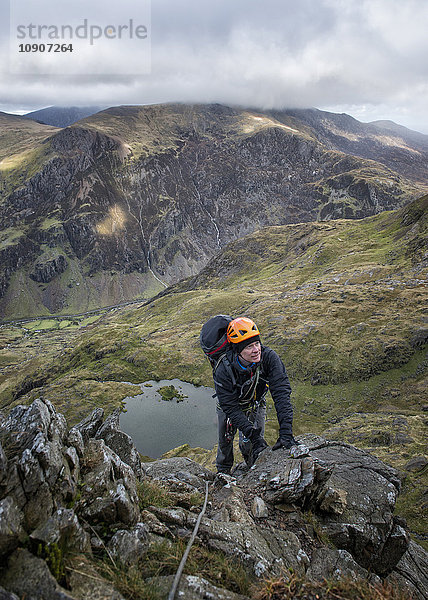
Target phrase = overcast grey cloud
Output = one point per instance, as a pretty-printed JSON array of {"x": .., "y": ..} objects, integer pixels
[{"x": 363, "y": 57}]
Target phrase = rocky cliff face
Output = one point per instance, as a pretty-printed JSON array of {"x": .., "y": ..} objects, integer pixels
[
  {"x": 136, "y": 198},
  {"x": 73, "y": 498}
]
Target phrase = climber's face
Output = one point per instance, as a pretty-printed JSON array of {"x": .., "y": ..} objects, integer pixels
[{"x": 252, "y": 352}]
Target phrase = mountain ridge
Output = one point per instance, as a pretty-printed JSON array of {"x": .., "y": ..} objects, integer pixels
[
  {"x": 61, "y": 116},
  {"x": 124, "y": 202}
]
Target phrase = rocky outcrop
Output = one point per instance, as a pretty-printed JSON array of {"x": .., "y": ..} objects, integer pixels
[
  {"x": 66, "y": 494},
  {"x": 365, "y": 524},
  {"x": 45, "y": 270}
]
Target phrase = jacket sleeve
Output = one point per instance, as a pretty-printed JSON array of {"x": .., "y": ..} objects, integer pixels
[
  {"x": 227, "y": 395},
  {"x": 280, "y": 389}
]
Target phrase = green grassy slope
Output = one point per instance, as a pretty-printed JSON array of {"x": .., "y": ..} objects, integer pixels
[
  {"x": 340, "y": 301},
  {"x": 23, "y": 150},
  {"x": 343, "y": 303},
  {"x": 18, "y": 134}
]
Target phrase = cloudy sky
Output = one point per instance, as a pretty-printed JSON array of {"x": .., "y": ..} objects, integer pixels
[{"x": 363, "y": 57}]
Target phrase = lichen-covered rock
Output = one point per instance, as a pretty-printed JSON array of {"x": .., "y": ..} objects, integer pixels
[
  {"x": 72, "y": 457},
  {"x": 128, "y": 547},
  {"x": 155, "y": 525},
  {"x": 330, "y": 563},
  {"x": 231, "y": 499},
  {"x": 38, "y": 474},
  {"x": 262, "y": 551},
  {"x": 120, "y": 442},
  {"x": 11, "y": 530},
  {"x": 27, "y": 421},
  {"x": 109, "y": 492},
  {"x": 4, "y": 595},
  {"x": 366, "y": 527},
  {"x": 332, "y": 501},
  {"x": 182, "y": 470},
  {"x": 411, "y": 572},
  {"x": 29, "y": 577},
  {"x": 192, "y": 587},
  {"x": 259, "y": 508},
  {"x": 3, "y": 464},
  {"x": 281, "y": 479},
  {"x": 75, "y": 439},
  {"x": 89, "y": 426},
  {"x": 64, "y": 529}
]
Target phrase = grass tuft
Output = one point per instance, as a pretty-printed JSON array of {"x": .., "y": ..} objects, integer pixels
[
  {"x": 164, "y": 558},
  {"x": 296, "y": 587}
]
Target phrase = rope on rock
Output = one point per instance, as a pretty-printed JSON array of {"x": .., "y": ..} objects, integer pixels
[{"x": 177, "y": 577}]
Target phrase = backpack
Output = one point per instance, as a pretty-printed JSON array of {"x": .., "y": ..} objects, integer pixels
[
  {"x": 213, "y": 339},
  {"x": 215, "y": 345}
]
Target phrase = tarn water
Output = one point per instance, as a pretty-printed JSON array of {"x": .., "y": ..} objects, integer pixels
[{"x": 157, "y": 425}]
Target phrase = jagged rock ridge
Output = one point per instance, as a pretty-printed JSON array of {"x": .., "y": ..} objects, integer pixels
[{"x": 77, "y": 489}]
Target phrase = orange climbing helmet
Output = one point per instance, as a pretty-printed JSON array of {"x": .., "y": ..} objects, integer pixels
[{"x": 241, "y": 329}]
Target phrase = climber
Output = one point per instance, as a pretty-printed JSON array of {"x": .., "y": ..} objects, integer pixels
[{"x": 242, "y": 378}]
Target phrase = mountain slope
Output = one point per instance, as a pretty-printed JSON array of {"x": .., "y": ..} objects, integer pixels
[
  {"x": 341, "y": 301},
  {"x": 132, "y": 199},
  {"x": 395, "y": 146},
  {"x": 18, "y": 135}
]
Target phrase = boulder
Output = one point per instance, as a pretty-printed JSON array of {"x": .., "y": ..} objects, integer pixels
[
  {"x": 29, "y": 577},
  {"x": 109, "y": 492},
  {"x": 330, "y": 563},
  {"x": 89, "y": 426},
  {"x": 189, "y": 475},
  {"x": 64, "y": 529},
  {"x": 192, "y": 587},
  {"x": 38, "y": 474},
  {"x": 27, "y": 421},
  {"x": 260, "y": 550},
  {"x": 11, "y": 530},
  {"x": 230, "y": 499},
  {"x": 411, "y": 572},
  {"x": 154, "y": 525},
  {"x": 120, "y": 442},
  {"x": 418, "y": 463},
  {"x": 128, "y": 547},
  {"x": 4, "y": 595},
  {"x": 281, "y": 479},
  {"x": 365, "y": 527}
]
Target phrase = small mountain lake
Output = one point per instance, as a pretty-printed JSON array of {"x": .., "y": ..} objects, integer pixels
[{"x": 169, "y": 413}]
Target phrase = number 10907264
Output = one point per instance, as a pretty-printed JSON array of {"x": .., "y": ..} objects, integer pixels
[{"x": 45, "y": 47}]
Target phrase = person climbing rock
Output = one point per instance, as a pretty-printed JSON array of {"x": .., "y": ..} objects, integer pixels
[{"x": 242, "y": 378}]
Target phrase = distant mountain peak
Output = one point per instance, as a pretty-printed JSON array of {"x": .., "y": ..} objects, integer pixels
[{"x": 62, "y": 116}]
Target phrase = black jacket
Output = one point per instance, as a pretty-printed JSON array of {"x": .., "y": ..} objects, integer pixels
[{"x": 273, "y": 373}]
